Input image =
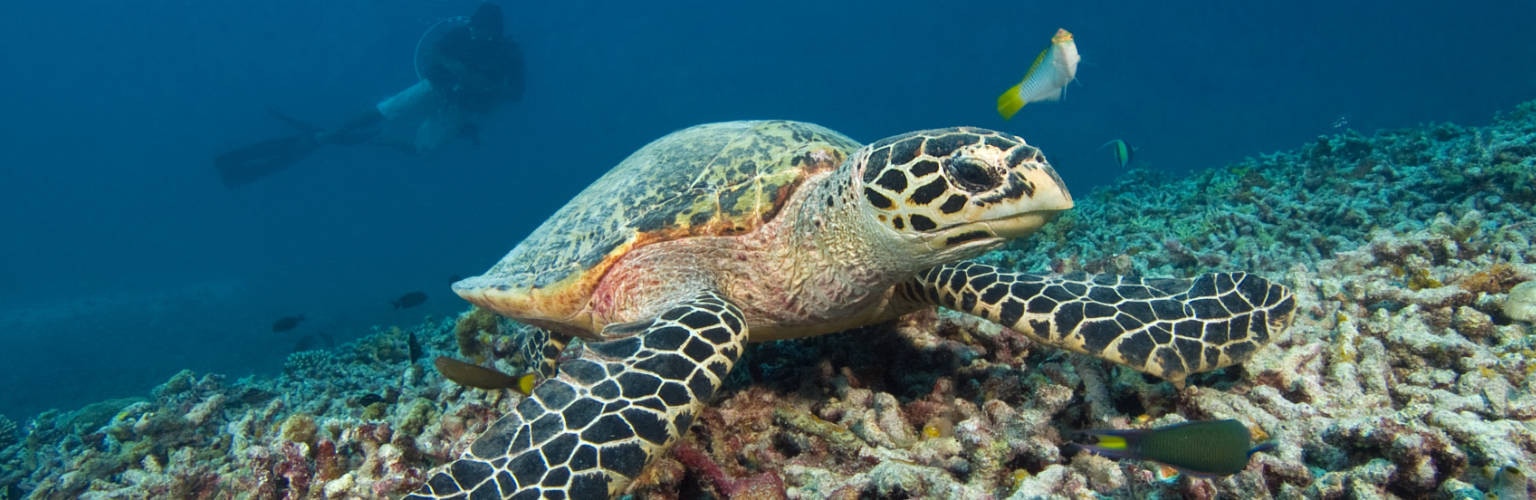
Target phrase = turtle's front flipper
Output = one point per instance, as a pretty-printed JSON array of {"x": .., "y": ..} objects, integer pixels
[
  {"x": 541, "y": 348},
  {"x": 590, "y": 430},
  {"x": 1168, "y": 328}
]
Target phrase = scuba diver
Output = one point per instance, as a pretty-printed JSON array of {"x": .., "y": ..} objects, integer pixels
[{"x": 465, "y": 73}]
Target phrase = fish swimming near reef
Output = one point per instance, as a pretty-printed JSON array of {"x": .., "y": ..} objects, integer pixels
[
  {"x": 287, "y": 323},
  {"x": 1205, "y": 448},
  {"x": 480, "y": 377},
  {"x": 413, "y": 346},
  {"x": 1123, "y": 152},
  {"x": 410, "y": 300},
  {"x": 1053, "y": 69}
]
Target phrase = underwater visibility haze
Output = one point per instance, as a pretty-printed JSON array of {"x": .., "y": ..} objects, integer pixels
[{"x": 171, "y": 330}]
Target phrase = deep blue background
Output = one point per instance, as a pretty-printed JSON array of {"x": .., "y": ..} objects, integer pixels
[{"x": 125, "y": 260}]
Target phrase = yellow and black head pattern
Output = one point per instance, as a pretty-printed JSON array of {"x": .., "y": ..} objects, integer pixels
[{"x": 953, "y": 186}]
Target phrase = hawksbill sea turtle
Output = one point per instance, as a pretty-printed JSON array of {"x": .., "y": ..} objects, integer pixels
[{"x": 725, "y": 233}]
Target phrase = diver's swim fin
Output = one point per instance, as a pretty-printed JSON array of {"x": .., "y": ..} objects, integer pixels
[
  {"x": 297, "y": 124},
  {"x": 247, "y": 164}
]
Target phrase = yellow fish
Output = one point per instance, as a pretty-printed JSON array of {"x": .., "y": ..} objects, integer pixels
[{"x": 1052, "y": 70}]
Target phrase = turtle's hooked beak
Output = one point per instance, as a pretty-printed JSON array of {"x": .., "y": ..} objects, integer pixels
[
  {"x": 984, "y": 235},
  {"x": 1021, "y": 225}
]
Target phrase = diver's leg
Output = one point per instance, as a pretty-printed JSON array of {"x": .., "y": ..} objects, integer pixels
[
  {"x": 443, "y": 125},
  {"x": 251, "y": 163},
  {"x": 358, "y": 130}
]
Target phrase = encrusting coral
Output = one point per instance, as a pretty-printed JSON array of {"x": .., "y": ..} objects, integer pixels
[{"x": 1408, "y": 371}]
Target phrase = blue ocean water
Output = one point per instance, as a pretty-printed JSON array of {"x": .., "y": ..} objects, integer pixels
[{"x": 126, "y": 260}]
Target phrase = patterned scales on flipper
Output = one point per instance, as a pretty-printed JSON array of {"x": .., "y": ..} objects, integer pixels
[
  {"x": 1165, "y": 327},
  {"x": 541, "y": 349},
  {"x": 593, "y": 427}
]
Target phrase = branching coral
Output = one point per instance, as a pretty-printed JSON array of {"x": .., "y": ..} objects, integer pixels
[{"x": 9, "y": 435}]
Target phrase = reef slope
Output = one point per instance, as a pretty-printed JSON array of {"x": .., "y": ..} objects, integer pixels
[{"x": 1409, "y": 371}]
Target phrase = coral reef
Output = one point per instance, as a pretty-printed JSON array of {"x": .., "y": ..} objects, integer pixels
[
  {"x": 1408, "y": 372},
  {"x": 7, "y": 432},
  {"x": 361, "y": 421}
]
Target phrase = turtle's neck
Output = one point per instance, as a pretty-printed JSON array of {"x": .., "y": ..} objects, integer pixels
[
  {"x": 816, "y": 268},
  {"x": 819, "y": 266}
]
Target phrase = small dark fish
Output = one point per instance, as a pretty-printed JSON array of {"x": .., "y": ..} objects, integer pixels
[
  {"x": 410, "y": 300},
  {"x": 455, "y": 278},
  {"x": 286, "y": 323},
  {"x": 480, "y": 377},
  {"x": 369, "y": 399},
  {"x": 1206, "y": 448},
  {"x": 253, "y": 396},
  {"x": 314, "y": 341},
  {"x": 413, "y": 346}
]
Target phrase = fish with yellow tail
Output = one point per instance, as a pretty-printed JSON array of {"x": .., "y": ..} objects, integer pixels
[
  {"x": 1205, "y": 449},
  {"x": 1052, "y": 70},
  {"x": 479, "y": 377}
]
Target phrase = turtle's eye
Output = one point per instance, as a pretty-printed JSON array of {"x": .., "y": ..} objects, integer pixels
[{"x": 972, "y": 174}]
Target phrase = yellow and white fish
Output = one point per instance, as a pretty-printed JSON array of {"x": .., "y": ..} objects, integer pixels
[{"x": 1052, "y": 70}]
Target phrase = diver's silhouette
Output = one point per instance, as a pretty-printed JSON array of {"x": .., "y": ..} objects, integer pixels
[{"x": 467, "y": 67}]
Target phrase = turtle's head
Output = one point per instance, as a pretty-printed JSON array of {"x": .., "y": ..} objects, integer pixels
[{"x": 957, "y": 192}]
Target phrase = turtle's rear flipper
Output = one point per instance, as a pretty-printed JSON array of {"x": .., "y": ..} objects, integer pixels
[
  {"x": 248, "y": 164},
  {"x": 612, "y": 407},
  {"x": 1168, "y": 328}
]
